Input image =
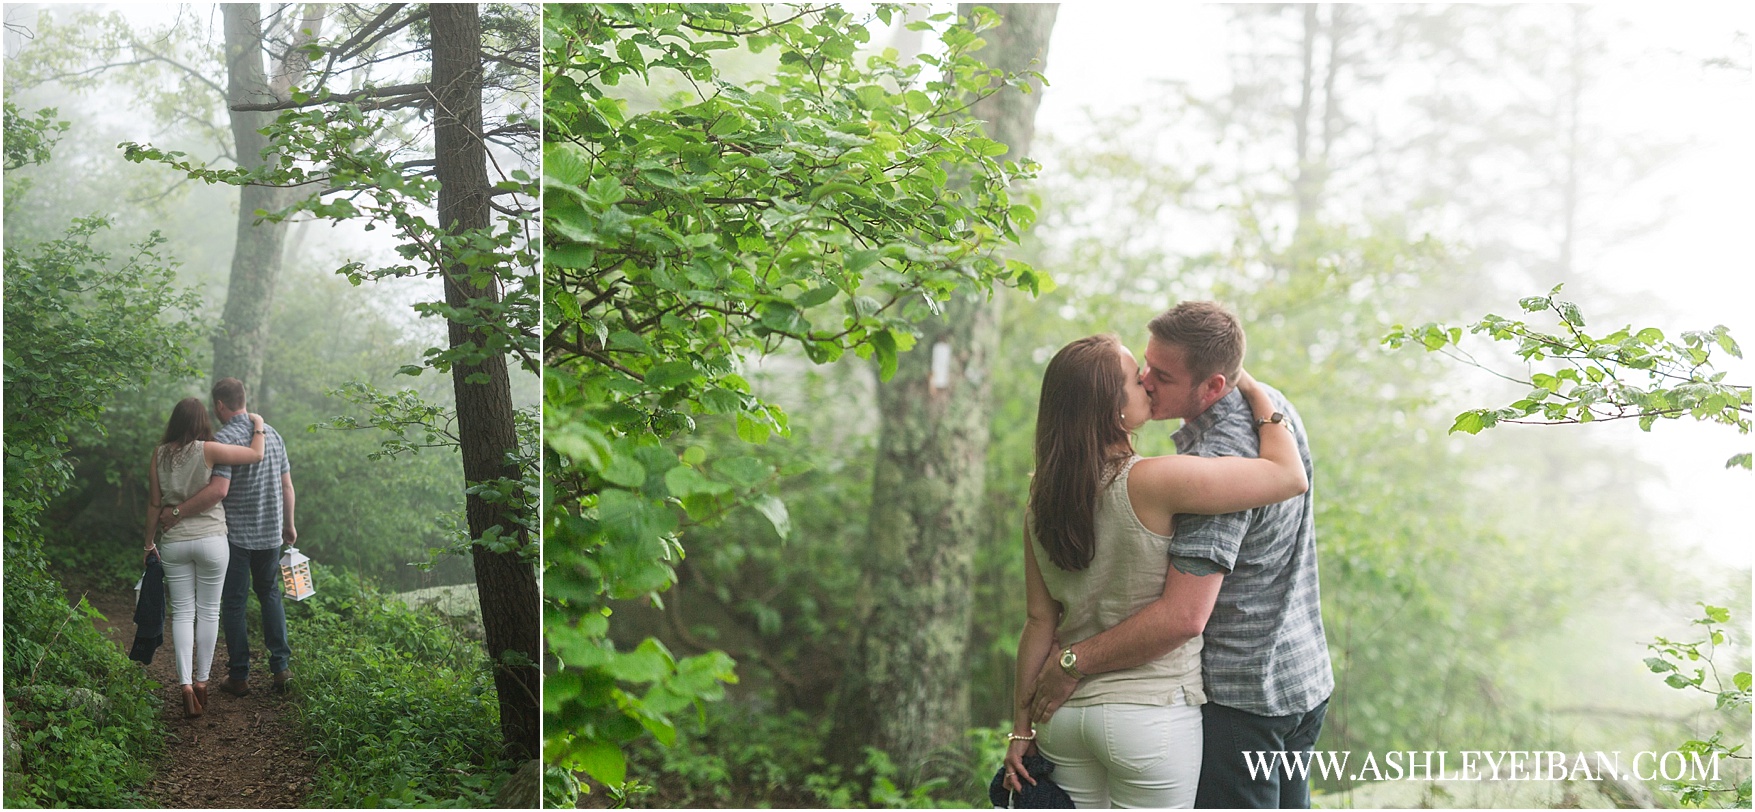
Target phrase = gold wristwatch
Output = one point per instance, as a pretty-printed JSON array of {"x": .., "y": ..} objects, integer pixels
[{"x": 1069, "y": 662}]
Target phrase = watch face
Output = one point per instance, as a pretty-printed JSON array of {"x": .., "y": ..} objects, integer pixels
[{"x": 1068, "y": 659}]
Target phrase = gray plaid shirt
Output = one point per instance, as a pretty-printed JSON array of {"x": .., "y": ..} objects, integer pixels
[
  {"x": 253, "y": 508},
  {"x": 1265, "y": 650}
]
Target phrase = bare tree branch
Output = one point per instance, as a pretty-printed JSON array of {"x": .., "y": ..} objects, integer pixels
[{"x": 418, "y": 89}]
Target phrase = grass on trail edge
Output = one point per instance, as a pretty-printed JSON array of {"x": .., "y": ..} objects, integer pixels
[
  {"x": 82, "y": 720},
  {"x": 399, "y": 707}
]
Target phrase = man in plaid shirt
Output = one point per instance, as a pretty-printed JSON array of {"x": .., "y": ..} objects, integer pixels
[
  {"x": 1247, "y": 581},
  {"x": 259, "y": 518}
]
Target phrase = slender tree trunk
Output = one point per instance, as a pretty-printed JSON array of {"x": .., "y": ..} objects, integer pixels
[
  {"x": 242, "y": 339},
  {"x": 505, "y": 582},
  {"x": 1305, "y": 185},
  {"x": 906, "y": 687},
  {"x": 1573, "y": 112}
]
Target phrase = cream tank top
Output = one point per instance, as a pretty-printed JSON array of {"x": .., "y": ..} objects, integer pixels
[
  {"x": 182, "y": 473},
  {"x": 1125, "y": 575}
]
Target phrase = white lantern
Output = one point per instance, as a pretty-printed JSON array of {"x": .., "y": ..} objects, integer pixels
[{"x": 295, "y": 575}]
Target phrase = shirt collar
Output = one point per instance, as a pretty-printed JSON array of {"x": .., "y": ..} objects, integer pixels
[
  {"x": 1196, "y": 427},
  {"x": 240, "y": 417}
]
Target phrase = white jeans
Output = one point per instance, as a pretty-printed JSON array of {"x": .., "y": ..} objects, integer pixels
[
  {"x": 1129, "y": 756},
  {"x": 194, "y": 574}
]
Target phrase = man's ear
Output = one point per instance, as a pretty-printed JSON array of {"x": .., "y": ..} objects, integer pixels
[{"x": 1215, "y": 387}]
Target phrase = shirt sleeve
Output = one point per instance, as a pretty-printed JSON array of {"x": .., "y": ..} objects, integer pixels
[
  {"x": 230, "y": 437},
  {"x": 1204, "y": 545},
  {"x": 285, "y": 461}
]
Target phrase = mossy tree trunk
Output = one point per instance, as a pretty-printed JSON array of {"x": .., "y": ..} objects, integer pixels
[{"x": 241, "y": 341}]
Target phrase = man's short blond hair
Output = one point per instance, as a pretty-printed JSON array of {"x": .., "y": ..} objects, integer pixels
[{"x": 1210, "y": 336}]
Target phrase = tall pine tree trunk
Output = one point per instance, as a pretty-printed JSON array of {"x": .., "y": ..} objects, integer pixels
[
  {"x": 906, "y": 689},
  {"x": 242, "y": 339},
  {"x": 505, "y": 582}
]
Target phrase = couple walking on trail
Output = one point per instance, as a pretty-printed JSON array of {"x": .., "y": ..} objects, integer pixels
[
  {"x": 223, "y": 501},
  {"x": 1174, "y": 622}
]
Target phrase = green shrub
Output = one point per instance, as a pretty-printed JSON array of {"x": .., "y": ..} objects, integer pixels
[
  {"x": 741, "y": 756},
  {"x": 398, "y": 708},
  {"x": 83, "y": 716}
]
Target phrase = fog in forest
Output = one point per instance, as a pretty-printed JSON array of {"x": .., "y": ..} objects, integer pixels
[
  {"x": 1331, "y": 172},
  {"x": 377, "y": 517}
]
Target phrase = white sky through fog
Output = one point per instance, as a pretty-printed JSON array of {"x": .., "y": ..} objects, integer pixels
[{"x": 1697, "y": 271}]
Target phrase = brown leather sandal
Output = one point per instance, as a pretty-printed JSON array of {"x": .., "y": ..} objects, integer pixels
[{"x": 191, "y": 705}]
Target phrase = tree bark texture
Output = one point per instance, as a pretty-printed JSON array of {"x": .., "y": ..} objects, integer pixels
[
  {"x": 505, "y": 582},
  {"x": 905, "y": 690},
  {"x": 242, "y": 339}
]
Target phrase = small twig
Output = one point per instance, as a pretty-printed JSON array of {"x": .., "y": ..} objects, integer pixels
[{"x": 46, "y": 649}]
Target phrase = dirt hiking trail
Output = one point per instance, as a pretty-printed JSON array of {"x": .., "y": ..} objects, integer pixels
[{"x": 243, "y": 752}]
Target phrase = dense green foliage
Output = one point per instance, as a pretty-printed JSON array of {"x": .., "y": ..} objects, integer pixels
[
  {"x": 85, "y": 718},
  {"x": 79, "y": 325},
  {"x": 807, "y": 209},
  {"x": 397, "y": 706}
]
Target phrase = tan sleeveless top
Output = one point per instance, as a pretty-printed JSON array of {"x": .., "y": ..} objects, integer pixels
[
  {"x": 1125, "y": 575},
  {"x": 182, "y": 473}
]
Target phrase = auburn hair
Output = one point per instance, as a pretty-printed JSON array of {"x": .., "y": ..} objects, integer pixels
[
  {"x": 1078, "y": 426},
  {"x": 188, "y": 423}
]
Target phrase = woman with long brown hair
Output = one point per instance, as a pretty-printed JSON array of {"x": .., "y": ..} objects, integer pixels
[
  {"x": 1096, "y": 551},
  {"x": 194, "y": 552}
]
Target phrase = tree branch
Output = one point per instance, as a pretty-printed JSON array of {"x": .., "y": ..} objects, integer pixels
[{"x": 416, "y": 89}]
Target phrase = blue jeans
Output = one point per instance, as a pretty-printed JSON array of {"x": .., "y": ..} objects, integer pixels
[{"x": 258, "y": 569}]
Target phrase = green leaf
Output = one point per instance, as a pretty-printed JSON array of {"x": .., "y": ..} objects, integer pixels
[
  {"x": 743, "y": 472},
  {"x": 583, "y": 445},
  {"x": 1659, "y": 665},
  {"x": 884, "y": 342},
  {"x": 1472, "y": 422},
  {"x": 1729, "y": 344},
  {"x": 671, "y": 374},
  {"x": 625, "y": 471},
  {"x": 751, "y": 430},
  {"x": 775, "y": 510},
  {"x": 601, "y": 760},
  {"x": 1741, "y": 680},
  {"x": 816, "y": 297},
  {"x": 683, "y": 481}
]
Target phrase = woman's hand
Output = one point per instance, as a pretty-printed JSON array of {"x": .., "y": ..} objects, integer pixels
[
  {"x": 1254, "y": 394},
  {"x": 1015, "y": 774},
  {"x": 1245, "y": 381},
  {"x": 146, "y": 559},
  {"x": 256, "y": 420}
]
